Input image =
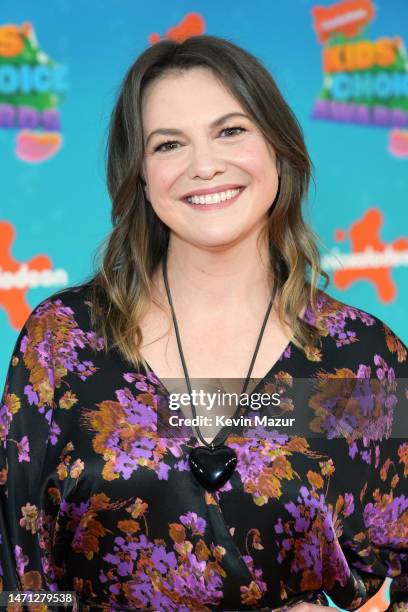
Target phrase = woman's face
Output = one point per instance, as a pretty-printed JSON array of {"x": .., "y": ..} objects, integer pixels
[{"x": 200, "y": 154}]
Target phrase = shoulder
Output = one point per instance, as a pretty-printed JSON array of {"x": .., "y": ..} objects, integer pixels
[
  {"x": 59, "y": 324},
  {"x": 67, "y": 305},
  {"x": 55, "y": 340},
  {"x": 345, "y": 325}
]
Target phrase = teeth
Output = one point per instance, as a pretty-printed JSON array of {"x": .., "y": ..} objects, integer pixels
[{"x": 214, "y": 198}]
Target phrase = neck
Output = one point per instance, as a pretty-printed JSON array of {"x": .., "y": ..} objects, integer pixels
[{"x": 205, "y": 280}]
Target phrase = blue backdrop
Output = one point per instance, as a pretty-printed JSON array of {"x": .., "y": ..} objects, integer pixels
[{"x": 68, "y": 58}]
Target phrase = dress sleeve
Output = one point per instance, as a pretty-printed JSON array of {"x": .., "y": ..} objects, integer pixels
[
  {"x": 25, "y": 419},
  {"x": 385, "y": 501}
]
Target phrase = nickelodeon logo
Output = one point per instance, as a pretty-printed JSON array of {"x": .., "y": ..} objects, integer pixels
[
  {"x": 16, "y": 278},
  {"x": 370, "y": 258},
  {"x": 348, "y": 18}
]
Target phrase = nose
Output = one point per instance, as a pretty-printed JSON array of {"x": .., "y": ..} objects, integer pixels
[{"x": 205, "y": 161}]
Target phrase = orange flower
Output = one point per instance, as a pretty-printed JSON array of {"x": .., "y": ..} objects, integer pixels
[
  {"x": 177, "y": 532},
  {"x": 31, "y": 581},
  {"x": 202, "y": 551},
  {"x": 211, "y": 567},
  {"x": 88, "y": 542},
  {"x": 68, "y": 400},
  {"x": 62, "y": 471},
  {"x": 268, "y": 484},
  {"x": 218, "y": 552},
  {"x": 297, "y": 445},
  {"x": 184, "y": 548},
  {"x": 67, "y": 449},
  {"x": 129, "y": 526},
  {"x": 327, "y": 467},
  {"x": 251, "y": 594},
  {"x": 138, "y": 508},
  {"x": 310, "y": 581},
  {"x": 394, "y": 344},
  {"x": 29, "y": 520},
  {"x": 55, "y": 495},
  {"x": 315, "y": 479},
  {"x": 77, "y": 468},
  {"x": 403, "y": 455},
  {"x": 12, "y": 402},
  {"x": 108, "y": 472}
]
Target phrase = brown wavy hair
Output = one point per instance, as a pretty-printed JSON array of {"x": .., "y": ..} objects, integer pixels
[{"x": 121, "y": 286}]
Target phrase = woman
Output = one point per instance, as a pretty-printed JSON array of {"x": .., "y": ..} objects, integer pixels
[{"x": 104, "y": 497}]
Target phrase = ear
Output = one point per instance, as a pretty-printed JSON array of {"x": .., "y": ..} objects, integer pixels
[
  {"x": 142, "y": 177},
  {"x": 144, "y": 185},
  {"x": 278, "y": 166}
]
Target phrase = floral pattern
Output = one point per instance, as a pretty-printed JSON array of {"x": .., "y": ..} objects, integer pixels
[{"x": 95, "y": 499}]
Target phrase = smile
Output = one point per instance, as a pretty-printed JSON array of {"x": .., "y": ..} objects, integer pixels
[{"x": 214, "y": 200}]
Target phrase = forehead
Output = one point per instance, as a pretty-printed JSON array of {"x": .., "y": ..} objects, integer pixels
[{"x": 194, "y": 92}]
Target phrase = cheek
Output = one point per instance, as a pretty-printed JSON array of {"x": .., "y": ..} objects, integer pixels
[
  {"x": 160, "y": 179},
  {"x": 257, "y": 161}
]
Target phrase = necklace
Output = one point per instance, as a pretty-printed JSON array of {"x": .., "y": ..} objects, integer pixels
[{"x": 212, "y": 465}]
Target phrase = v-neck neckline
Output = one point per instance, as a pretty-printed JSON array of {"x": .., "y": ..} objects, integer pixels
[
  {"x": 221, "y": 433},
  {"x": 262, "y": 382},
  {"x": 289, "y": 346}
]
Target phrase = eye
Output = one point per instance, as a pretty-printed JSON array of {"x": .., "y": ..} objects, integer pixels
[
  {"x": 164, "y": 144},
  {"x": 233, "y": 128}
]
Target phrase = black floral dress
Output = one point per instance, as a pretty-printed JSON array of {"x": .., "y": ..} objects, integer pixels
[{"x": 94, "y": 500}]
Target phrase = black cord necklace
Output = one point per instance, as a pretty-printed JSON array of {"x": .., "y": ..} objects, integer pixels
[{"x": 212, "y": 465}]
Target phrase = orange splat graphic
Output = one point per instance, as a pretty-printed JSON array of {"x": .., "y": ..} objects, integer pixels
[
  {"x": 365, "y": 234},
  {"x": 192, "y": 24},
  {"x": 13, "y": 300},
  {"x": 340, "y": 235}
]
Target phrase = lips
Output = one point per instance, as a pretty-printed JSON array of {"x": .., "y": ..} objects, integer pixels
[
  {"x": 209, "y": 191},
  {"x": 216, "y": 205}
]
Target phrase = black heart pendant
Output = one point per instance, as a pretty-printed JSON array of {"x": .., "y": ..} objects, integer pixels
[{"x": 212, "y": 466}]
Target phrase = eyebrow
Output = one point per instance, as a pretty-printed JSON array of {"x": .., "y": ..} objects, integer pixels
[{"x": 175, "y": 132}]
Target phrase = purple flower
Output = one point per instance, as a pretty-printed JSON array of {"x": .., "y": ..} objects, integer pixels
[
  {"x": 363, "y": 371},
  {"x": 125, "y": 568},
  {"x": 31, "y": 395},
  {"x": 5, "y": 419},
  {"x": 21, "y": 559},
  {"x": 114, "y": 559},
  {"x": 163, "y": 560},
  {"x": 163, "y": 471},
  {"x": 348, "y": 504},
  {"x": 366, "y": 456},
  {"x": 55, "y": 431},
  {"x": 353, "y": 450},
  {"x": 129, "y": 377},
  {"x": 194, "y": 522},
  {"x": 23, "y": 449},
  {"x": 24, "y": 344}
]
